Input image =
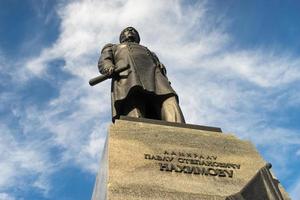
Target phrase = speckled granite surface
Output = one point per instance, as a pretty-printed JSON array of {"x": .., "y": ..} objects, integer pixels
[{"x": 150, "y": 161}]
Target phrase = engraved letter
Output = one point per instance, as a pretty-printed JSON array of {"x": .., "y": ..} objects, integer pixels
[
  {"x": 215, "y": 164},
  {"x": 237, "y": 166},
  {"x": 164, "y": 167},
  {"x": 194, "y": 162},
  {"x": 212, "y": 172},
  {"x": 214, "y": 157},
  {"x": 229, "y": 173},
  {"x": 187, "y": 169},
  {"x": 178, "y": 168},
  {"x": 169, "y": 159},
  {"x": 196, "y": 170},
  {"x": 159, "y": 158},
  {"x": 221, "y": 173},
  {"x": 147, "y": 156},
  {"x": 181, "y": 154},
  {"x": 204, "y": 171}
]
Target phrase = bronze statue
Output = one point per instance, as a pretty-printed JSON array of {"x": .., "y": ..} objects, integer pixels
[{"x": 140, "y": 87}]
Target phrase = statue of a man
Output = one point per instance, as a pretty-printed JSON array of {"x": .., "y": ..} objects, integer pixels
[{"x": 143, "y": 89}]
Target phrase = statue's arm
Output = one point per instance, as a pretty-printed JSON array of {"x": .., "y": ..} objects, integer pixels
[
  {"x": 160, "y": 65},
  {"x": 106, "y": 62}
]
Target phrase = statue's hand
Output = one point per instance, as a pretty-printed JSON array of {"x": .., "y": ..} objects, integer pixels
[{"x": 108, "y": 71}]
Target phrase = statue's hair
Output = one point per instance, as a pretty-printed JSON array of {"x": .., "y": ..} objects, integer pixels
[{"x": 122, "y": 37}]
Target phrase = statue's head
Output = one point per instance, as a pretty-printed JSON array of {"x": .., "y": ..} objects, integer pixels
[{"x": 129, "y": 34}]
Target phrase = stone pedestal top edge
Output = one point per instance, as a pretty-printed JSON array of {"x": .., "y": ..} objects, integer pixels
[{"x": 173, "y": 124}]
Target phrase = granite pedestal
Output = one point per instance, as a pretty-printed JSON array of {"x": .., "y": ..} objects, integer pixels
[{"x": 147, "y": 159}]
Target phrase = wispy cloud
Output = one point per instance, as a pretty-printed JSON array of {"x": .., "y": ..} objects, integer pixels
[
  {"x": 5, "y": 196},
  {"x": 20, "y": 161},
  {"x": 236, "y": 89}
]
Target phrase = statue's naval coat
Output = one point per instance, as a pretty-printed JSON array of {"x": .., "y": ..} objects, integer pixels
[{"x": 145, "y": 71}]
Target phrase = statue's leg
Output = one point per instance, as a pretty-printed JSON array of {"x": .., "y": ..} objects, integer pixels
[
  {"x": 135, "y": 112},
  {"x": 133, "y": 106},
  {"x": 170, "y": 110}
]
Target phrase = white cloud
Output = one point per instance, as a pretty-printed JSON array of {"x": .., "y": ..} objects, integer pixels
[
  {"x": 5, "y": 196},
  {"x": 20, "y": 161},
  {"x": 261, "y": 67},
  {"x": 217, "y": 85}
]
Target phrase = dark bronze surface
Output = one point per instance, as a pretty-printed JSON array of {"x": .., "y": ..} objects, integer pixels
[
  {"x": 142, "y": 90},
  {"x": 102, "y": 78}
]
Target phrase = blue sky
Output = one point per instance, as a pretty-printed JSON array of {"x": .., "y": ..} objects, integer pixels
[{"x": 234, "y": 64}]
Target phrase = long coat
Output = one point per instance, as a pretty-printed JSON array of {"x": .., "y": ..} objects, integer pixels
[{"x": 145, "y": 71}]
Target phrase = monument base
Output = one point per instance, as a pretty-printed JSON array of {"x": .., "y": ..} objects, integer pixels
[{"x": 149, "y": 159}]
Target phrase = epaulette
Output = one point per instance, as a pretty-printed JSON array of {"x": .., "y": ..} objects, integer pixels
[{"x": 109, "y": 45}]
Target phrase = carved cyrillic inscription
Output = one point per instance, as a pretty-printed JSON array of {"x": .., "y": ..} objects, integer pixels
[
  {"x": 193, "y": 163},
  {"x": 169, "y": 167}
]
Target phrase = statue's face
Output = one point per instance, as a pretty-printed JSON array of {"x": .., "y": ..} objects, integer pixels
[{"x": 130, "y": 35}]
